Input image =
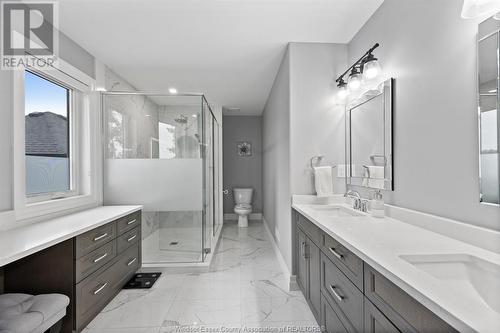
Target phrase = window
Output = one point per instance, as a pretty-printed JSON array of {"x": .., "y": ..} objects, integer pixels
[{"x": 48, "y": 138}]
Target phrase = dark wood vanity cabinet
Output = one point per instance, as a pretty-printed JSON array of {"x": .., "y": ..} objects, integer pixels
[
  {"x": 353, "y": 297},
  {"x": 90, "y": 269}
]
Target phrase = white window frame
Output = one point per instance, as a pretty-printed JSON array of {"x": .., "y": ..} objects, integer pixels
[{"x": 84, "y": 152}]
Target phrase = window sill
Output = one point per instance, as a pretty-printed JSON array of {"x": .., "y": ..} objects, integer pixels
[{"x": 44, "y": 209}]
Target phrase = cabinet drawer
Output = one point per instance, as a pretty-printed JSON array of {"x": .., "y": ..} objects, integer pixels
[
  {"x": 338, "y": 289},
  {"x": 127, "y": 239},
  {"x": 91, "y": 262},
  {"x": 127, "y": 264},
  {"x": 310, "y": 229},
  {"x": 128, "y": 222},
  {"x": 93, "y": 293},
  {"x": 329, "y": 319},
  {"x": 91, "y": 240},
  {"x": 375, "y": 321},
  {"x": 401, "y": 309},
  {"x": 348, "y": 262}
]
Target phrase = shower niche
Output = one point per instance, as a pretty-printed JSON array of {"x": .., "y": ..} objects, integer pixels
[{"x": 160, "y": 152}]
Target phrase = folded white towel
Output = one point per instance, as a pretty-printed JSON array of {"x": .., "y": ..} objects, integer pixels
[
  {"x": 374, "y": 177},
  {"x": 323, "y": 181}
]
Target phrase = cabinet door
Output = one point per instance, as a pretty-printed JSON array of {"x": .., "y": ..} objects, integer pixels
[
  {"x": 329, "y": 319},
  {"x": 375, "y": 321},
  {"x": 302, "y": 263},
  {"x": 313, "y": 253}
]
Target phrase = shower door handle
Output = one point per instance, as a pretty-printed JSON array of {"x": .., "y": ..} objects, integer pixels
[{"x": 225, "y": 192}]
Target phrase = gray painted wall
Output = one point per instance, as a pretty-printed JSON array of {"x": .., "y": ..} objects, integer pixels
[
  {"x": 6, "y": 114},
  {"x": 300, "y": 120},
  {"x": 76, "y": 55},
  {"x": 431, "y": 51},
  {"x": 316, "y": 122},
  {"x": 276, "y": 163},
  {"x": 242, "y": 171}
]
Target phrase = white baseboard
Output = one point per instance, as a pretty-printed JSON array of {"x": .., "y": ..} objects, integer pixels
[
  {"x": 232, "y": 217},
  {"x": 291, "y": 279}
]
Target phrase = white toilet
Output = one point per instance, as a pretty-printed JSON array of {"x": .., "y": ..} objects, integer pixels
[{"x": 243, "y": 200}]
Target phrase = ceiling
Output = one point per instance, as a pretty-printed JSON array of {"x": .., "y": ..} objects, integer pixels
[{"x": 228, "y": 49}]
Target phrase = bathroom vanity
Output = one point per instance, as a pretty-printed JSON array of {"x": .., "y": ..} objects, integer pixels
[
  {"x": 363, "y": 274},
  {"x": 87, "y": 256},
  {"x": 347, "y": 295}
]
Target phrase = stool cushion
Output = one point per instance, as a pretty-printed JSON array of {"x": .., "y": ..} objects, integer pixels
[
  {"x": 15, "y": 304},
  {"x": 20, "y": 313}
]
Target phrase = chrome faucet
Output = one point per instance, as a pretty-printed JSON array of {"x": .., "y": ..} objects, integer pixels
[{"x": 359, "y": 203}]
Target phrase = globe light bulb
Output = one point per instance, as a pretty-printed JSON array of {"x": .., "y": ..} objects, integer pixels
[
  {"x": 342, "y": 93},
  {"x": 354, "y": 81},
  {"x": 372, "y": 69}
]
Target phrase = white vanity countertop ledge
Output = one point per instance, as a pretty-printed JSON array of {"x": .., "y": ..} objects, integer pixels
[
  {"x": 23, "y": 241},
  {"x": 380, "y": 242}
]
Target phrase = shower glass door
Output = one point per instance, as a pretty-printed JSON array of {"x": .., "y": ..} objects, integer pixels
[{"x": 159, "y": 153}]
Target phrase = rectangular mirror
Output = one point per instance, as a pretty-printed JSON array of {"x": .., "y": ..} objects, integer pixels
[
  {"x": 488, "y": 100},
  {"x": 369, "y": 138}
]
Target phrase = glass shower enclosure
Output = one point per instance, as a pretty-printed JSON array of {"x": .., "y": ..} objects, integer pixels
[{"x": 161, "y": 151}]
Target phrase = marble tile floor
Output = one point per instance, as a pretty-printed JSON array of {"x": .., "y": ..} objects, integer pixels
[{"x": 243, "y": 291}]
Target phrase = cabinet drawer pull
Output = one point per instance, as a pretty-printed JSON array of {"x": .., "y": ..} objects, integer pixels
[
  {"x": 96, "y": 260},
  {"x": 335, "y": 253},
  {"x": 100, "y": 237},
  {"x": 304, "y": 250},
  {"x": 131, "y": 261},
  {"x": 131, "y": 222},
  {"x": 131, "y": 238},
  {"x": 336, "y": 294},
  {"x": 98, "y": 290}
]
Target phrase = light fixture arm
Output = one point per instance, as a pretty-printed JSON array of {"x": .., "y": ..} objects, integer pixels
[{"x": 358, "y": 62}]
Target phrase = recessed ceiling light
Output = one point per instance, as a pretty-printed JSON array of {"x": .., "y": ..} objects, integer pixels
[
  {"x": 172, "y": 91},
  {"x": 194, "y": 115}
]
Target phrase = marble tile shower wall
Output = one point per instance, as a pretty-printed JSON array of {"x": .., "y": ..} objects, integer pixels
[
  {"x": 137, "y": 122},
  {"x": 150, "y": 223},
  {"x": 139, "y": 116}
]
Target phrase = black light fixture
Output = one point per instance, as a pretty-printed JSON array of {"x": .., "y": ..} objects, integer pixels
[
  {"x": 365, "y": 68},
  {"x": 343, "y": 92}
]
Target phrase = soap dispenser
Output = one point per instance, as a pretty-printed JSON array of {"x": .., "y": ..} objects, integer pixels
[{"x": 377, "y": 204}]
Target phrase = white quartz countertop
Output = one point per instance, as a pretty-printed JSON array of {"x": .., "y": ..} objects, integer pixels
[
  {"x": 381, "y": 241},
  {"x": 20, "y": 242}
]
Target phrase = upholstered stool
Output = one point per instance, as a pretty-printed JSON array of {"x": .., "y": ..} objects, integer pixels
[{"x": 22, "y": 313}]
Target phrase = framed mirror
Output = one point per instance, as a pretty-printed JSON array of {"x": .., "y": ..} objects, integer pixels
[
  {"x": 369, "y": 138},
  {"x": 488, "y": 102}
]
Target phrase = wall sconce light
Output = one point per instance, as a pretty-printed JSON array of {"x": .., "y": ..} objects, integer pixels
[
  {"x": 367, "y": 68},
  {"x": 355, "y": 79},
  {"x": 342, "y": 92},
  {"x": 475, "y": 8}
]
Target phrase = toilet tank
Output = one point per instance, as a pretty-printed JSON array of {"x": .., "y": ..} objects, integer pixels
[{"x": 243, "y": 195}]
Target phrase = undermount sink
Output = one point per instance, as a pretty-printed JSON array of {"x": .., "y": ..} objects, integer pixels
[
  {"x": 334, "y": 211},
  {"x": 468, "y": 273}
]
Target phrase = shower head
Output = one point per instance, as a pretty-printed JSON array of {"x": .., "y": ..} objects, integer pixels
[{"x": 182, "y": 119}]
